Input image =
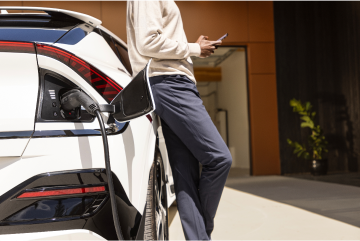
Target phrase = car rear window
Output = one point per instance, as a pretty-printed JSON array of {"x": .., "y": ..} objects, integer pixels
[
  {"x": 124, "y": 56},
  {"x": 31, "y": 34},
  {"x": 37, "y": 27},
  {"x": 119, "y": 50}
]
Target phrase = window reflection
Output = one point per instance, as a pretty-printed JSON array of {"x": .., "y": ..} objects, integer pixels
[{"x": 54, "y": 208}]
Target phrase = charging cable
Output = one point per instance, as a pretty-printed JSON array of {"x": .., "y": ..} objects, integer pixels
[{"x": 74, "y": 99}]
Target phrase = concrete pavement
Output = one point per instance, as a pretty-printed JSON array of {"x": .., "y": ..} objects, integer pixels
[{"x": 244, "y": 216}]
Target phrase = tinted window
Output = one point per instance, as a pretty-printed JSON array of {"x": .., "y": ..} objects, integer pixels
[
  {"x": 31, "y": 34},
  {"x": 119, "y": 50},
  {"x": 38, "y": 21},
  {"x": 73, "y": 36},
  {"x": 108, "y": 39},
  {"x": 76, "y": 34},
  {"x": 42, "y": 27},
  {"x": 124, "y": 56}
]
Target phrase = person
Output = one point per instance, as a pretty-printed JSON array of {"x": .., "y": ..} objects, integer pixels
[{"x": 155, "y": 30}]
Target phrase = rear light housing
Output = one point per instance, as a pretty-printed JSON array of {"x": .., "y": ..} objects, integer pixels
[
  {"x": 60, "y": 192},
  {"x": 17, "y": 47},
  {"x": 102, "y": 83},
  {"x": 57, "y": 203}
]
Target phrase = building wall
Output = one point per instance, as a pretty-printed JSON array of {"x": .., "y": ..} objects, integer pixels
[
  {"x": 318, "y": 59},
  {"x": 233, "y": 96},
  {"x": 248, "y": 24}
]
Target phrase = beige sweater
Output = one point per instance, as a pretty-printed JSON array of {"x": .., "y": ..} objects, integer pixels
[{"x": 155, "y": 30}]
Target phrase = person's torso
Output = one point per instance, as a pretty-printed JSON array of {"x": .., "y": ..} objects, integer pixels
[{"x": 172, "y": 28}]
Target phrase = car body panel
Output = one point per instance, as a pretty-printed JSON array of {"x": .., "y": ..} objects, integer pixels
[
  {"x": 74, "y": 234},
  {"x": 19, "y": 78},
  {"x": 131, "y": 150},
  {"x": 112, "y": 34},
  {"x": 60, "y": 68},
  {"x": 96, "y": 51},
  {"x": 81, "y": 16},
  {"x": 170, "y": 180}
]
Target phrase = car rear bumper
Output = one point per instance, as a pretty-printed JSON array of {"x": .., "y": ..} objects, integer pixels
[{"x": 74, "y": 234}]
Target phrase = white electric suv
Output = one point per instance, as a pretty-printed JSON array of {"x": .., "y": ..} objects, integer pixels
[{"x": 52, "y": 171}]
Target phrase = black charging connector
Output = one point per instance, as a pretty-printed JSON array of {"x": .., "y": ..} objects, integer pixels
[{"x": 75, "y": 98}]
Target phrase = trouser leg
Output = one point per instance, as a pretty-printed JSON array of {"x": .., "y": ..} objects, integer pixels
[
  {"x": 178, "y": 103},
  {"x": 185, "y": 170}
]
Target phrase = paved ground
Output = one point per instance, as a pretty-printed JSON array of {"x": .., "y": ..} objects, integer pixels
[
  {"x": 352, "y": 178},
  {"x": 283, "y": 208},
  {"x": 340, "y": 202}
]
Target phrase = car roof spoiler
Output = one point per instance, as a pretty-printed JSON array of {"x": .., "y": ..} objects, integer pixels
[{"x": 55, "y": 11}]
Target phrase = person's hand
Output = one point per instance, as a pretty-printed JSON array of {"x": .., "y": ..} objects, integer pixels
[{"x": 207, "y": 47}]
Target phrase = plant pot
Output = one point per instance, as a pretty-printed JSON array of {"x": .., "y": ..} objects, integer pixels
[{"x": 319, "y": 167}]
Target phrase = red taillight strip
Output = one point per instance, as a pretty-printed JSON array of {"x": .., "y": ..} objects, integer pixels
[
  {"x": 103, "y": 84},
  {"x": 149, "y": 118},
  {"x": 17, "y": 47},
  {"x": 60, "y": 192}
]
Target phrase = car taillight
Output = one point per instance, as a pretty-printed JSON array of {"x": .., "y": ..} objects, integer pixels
[
  {"x": 60, "y": 192},
  {"x": 103, "y": 84},
  {"x": 149, "y": 118},
  {"x": 17, "y": 47}
]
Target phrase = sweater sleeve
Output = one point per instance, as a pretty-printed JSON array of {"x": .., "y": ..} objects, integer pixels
[{"x": 147, "y": 22}]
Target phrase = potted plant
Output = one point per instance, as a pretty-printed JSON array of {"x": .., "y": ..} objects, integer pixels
[{"x": 317, "y": 143}]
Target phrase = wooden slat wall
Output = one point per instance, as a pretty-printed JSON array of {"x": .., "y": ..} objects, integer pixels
[
  {"x": 318, "y": 60},
  {"x": 248, "y": 23}
]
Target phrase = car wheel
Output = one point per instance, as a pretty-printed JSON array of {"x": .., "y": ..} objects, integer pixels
[{"x": 156, "y": 213}]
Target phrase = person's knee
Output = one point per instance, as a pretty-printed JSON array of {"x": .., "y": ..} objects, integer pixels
[{"x": 227, "y": 159}]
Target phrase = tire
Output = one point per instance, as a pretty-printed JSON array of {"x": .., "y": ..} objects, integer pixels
[{"x": 156, "y": 212}]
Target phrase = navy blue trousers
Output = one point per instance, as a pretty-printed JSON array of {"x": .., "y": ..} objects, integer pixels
[{"x": 191, "y": 137}]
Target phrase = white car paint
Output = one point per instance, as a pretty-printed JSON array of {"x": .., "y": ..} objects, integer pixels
[
  {"x": 74, "y": 234},
  {"x": 19, "y": 81},
  {"x": 129, "y": 161},
  {"x": 84, "y": 17},
  {"x": 96, "y": 51},
  {"x": 131, "y": 153}
]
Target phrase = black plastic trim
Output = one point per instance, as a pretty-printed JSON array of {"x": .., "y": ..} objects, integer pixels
[
  {"x": 15, "y": 134},
  {"x": 77, "y": 132},
  {"x": 42, "y": 74},
  {"x": 172, "y": 188},
  {"x": 61, "y": 133},
  {"x": 98, "y": 220}
]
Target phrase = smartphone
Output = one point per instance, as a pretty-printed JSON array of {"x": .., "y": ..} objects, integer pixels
[{"x": 220, "y": 39}]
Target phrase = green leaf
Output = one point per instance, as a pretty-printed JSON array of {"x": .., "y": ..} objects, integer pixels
[
  {"x": 307, "y": 124},
  {"x": 316, "y": 140},
  {"x": 293, "y": 102},
  {"x": 306, "y": 118}
]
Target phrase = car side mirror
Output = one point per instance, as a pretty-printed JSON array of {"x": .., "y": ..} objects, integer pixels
[{"x": 135, "y": 99}]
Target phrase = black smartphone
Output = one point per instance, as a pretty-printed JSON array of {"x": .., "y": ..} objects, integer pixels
[{"x": 220, "y": 39}]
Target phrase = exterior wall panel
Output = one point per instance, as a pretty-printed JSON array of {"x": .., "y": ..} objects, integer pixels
[
  {"x": 248, "y": 24},
  {"x": 261, "y": 21}
]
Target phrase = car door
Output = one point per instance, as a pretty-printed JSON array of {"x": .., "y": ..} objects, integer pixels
[{"x": 19, "y": 85}]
